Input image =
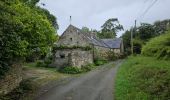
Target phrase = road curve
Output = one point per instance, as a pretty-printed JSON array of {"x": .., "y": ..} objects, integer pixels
[{"x": 95, "y": 85}]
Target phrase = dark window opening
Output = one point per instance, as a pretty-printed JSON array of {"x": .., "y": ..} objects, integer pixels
[
  {"x": 71, "y": 39},
  {"x": 62, "y": 55}
]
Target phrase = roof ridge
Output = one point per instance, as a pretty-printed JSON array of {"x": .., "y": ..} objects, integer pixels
[{"x": 94, "y": 40}]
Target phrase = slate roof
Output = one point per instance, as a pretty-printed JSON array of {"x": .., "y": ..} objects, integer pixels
[
  {"x": 107, "y": 43},
  {"x": 113, "y": 43},
  {"x": 93, "y": 40}
]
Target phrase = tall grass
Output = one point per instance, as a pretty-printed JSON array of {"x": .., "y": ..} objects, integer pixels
[
  {"x": 143, "y": 78},
  {"x": 158, "y": 47}
]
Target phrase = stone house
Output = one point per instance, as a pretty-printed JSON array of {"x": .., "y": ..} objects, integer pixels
[{"x": 76, "y": 48}]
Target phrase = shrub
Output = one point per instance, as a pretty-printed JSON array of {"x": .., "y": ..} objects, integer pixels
[
  {"x": 76, "y": 70},
  {"x": 88, "y": 67},
  {"x": 158, "y": 47},
  {"x": 70, "y": 70},
  {"x": 100, "y": 62},
  {"x": 41, "y": 64},
  {"x": 48, "y": 61}
]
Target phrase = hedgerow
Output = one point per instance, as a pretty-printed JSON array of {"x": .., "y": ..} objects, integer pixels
[{"x": 158, "y": 47}]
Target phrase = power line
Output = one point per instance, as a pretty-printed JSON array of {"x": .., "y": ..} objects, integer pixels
[
  {"x": 148, "y": 8},
  {"x": 142, "y": 9},
  {"x": 143, "y": 14}
]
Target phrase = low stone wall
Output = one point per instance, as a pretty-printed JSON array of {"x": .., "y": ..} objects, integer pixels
[
  {"x": 75, "y": 57},
  {"x": 11, "y": 80}
]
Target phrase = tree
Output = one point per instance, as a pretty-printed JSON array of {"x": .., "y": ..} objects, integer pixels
[
  {"x": 127, "y": 41},
  {"x": 85, "y": 29},
  {"x": 23, "y": 32},
  {"x": 52, "y": 19},
  {"x": 42, "y": 11},
  {"x": 145, "y": 32},
  {"x": 30, "y": 2},
  {"x": 161, "y": 26},
  {"x": 110, "y": 28},
  {"x": 140, "y": 37}
]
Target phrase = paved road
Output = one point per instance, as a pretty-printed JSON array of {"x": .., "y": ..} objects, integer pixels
[{"x": 95, "y": 85}]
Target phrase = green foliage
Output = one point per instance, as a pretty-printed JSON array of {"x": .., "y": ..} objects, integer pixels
[
  {"x": 23, "y": 33},
  {"x": 41, "y": 64},
  {"x": 44, "y": 63},
  {"x": 100, "y": 62},
  {"x": 85, "y": 29},
  {"x": 21, "y": 92},
  {"x": 86, "y": 48},
  {"x": 52, "y": 19},
  {"x": 30, "y": 2},
  {"x": 47, "y": 61},
  {"x": 158, "y": 47},
  {"x": 88, "y": 67},
  {"x": 143, "y": 34},
  {"x": 127, "y": 41},
  {"x": 143, "y": 78},
  {"x": 76, "y": 70},
  {"x": 70, "y": 70},
  {"x": 110, "y": 28},
  {"x": 138, "y": 43},
  {"x": 161, "y": 26}
]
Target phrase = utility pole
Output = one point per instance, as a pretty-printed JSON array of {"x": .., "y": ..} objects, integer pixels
[{"x": 132, "y": 32}]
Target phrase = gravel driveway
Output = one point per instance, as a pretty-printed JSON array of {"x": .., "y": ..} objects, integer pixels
[{"x": 95, "y": 85}]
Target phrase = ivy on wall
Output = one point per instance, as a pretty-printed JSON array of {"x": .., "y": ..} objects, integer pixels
[{"x": 61, "y": 47}]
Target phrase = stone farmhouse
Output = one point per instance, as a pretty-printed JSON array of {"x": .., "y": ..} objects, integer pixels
[{"x": 76, "y": 48}]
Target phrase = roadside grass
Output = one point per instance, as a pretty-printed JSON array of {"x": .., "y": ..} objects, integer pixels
[{"x": 143, "y": 78}]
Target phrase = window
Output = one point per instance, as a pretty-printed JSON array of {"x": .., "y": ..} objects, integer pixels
[
  {"x": 62, "y": 55},
  {"x": 71, "y": 39}
]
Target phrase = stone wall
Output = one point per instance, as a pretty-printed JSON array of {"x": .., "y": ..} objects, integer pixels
[
  {"x": 60, "y": 61},
  {"x": 12, "y": 79},
  {"x": 75, "y": 58},
  {"x": 73, "y": 37},
  {"x": 101, "y": 53},
  {"x": 79, "y": 58},
  {"x": 117, "y": 51}
]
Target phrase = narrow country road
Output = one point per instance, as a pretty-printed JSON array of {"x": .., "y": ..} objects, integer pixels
[{"x": 95, "y": 85}]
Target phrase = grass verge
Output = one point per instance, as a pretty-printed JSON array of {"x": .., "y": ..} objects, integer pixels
[{"x": 143, "y": 78}]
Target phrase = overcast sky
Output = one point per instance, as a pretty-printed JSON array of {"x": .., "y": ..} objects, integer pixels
[{"x": 93, "y": 13}]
